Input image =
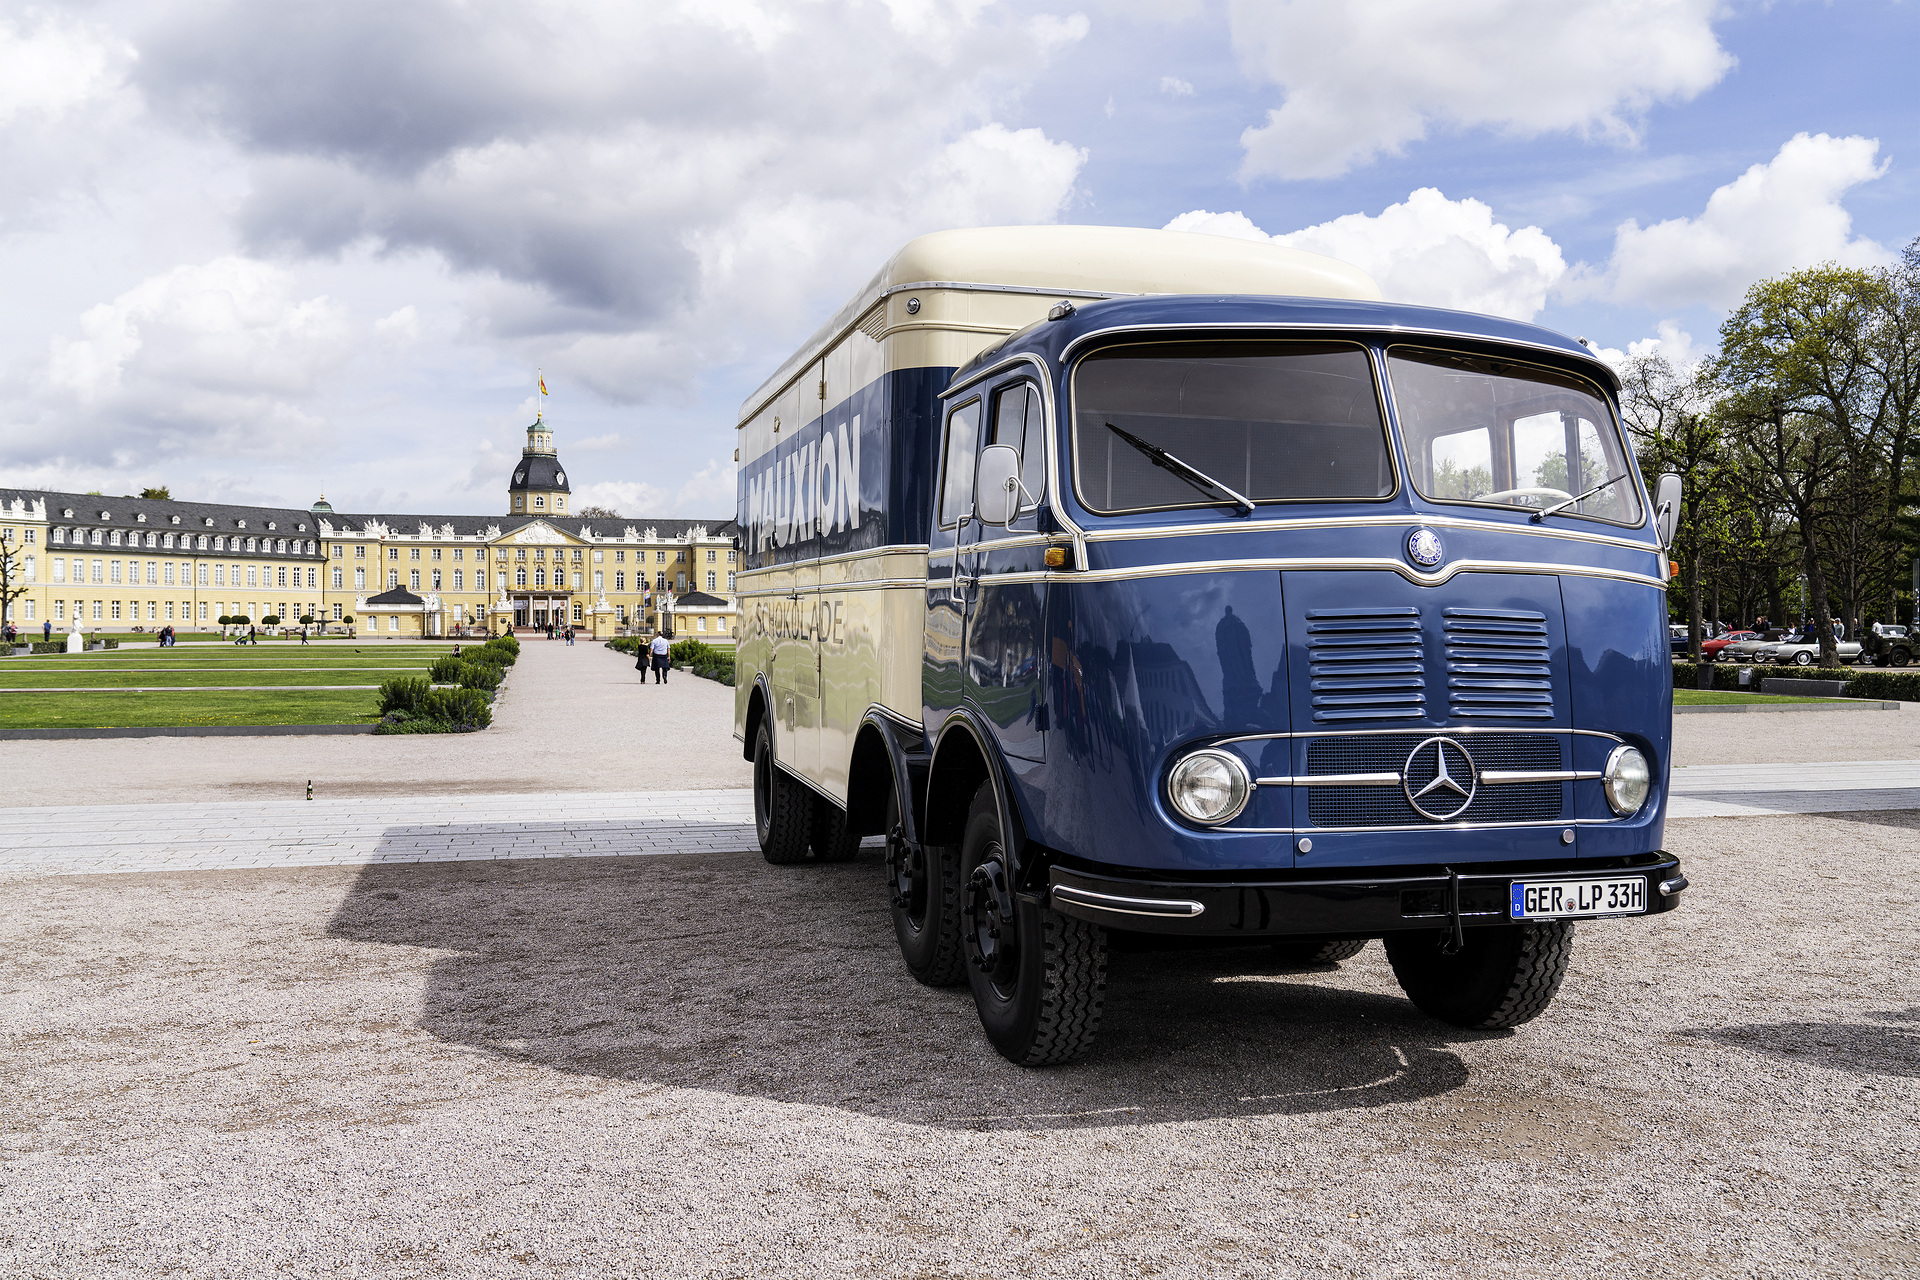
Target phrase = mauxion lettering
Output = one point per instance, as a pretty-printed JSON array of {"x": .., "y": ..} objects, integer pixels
[{"x": 808, "y": 493}]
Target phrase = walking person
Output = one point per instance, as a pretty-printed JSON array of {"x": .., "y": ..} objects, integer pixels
[
  {"x": 660, "y": 648},
  {"x": 46, "y": 631}
]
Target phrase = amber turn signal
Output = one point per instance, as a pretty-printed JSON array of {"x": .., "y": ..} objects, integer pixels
[
  {"x": 1673, "y": 569},
  {"x": 1056, "y": 557}
]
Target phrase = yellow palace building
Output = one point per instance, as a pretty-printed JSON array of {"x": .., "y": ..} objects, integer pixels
[{"x": 115, "y": 564}]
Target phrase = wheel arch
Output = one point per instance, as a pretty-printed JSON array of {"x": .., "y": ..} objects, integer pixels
[
  {"x": 964, "y": 756},
  {"x": 885, "y": 755},
  {"x": 758, "y": 703}
]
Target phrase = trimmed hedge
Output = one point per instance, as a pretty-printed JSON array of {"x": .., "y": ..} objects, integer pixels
[
  {"x": 410, "y": 705},
  {"x": 49, "y": 646},
  {"x": 1725, "y": 676},
  {"x": 1895, "y": 686}
]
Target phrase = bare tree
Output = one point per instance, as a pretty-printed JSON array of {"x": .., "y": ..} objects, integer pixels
[
  {"x": 13, "y": 574},
  {"x": 597, "y": 513},
  {"x": 1665, "y": 411}
]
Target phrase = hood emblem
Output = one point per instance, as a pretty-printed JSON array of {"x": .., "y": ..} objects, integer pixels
[
  {"x": 1439, "y": 779},
  {"x": 1424, "y": 549}
]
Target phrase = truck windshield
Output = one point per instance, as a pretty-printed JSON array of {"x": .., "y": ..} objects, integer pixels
[
  {"x": 1275, "y": 421},
  {"x": 1491, "y": 431}
]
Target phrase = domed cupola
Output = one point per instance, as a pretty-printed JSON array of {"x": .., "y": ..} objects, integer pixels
[
  {"x": 322, "y": 507},
  {"x": 539, "y": 485}
]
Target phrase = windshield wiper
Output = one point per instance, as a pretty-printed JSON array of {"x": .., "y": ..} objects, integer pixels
[
  {"x": 1544, "y": 512},
  {"x": 1161, "y": 458}
]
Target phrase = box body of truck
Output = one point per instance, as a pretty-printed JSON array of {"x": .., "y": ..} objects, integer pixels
[{"x": 1168, "y": 584}]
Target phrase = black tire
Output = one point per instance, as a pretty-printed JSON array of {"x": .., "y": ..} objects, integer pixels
[
  {"x": 1803, "y": 659},
  {"x": 782, "y": 808},
  {"x": 833, "y": 839},
  {"x": 923, "y": 884},
  {"x": 1900, "y": 658},
  {"x": 1039, "y": 978},
  {"x": 1307, "y": 952},
  {"x": 1504, "y": 976}
]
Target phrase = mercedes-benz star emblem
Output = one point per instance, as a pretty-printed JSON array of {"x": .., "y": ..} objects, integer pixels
[
  {"x": 1423, "y": 547},
  {"x": 1439, "y": 779}
]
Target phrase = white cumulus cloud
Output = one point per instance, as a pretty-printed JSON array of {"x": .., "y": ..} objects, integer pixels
[
  {"x": 50, "y": 65},
  {"x": 1427, "y": 249},
  {"x": 1670, "y": 341},
  {"x": 1175, "y": 87},
  {"x": 1363, "y": 79},
  {"x": 1778, "y": 216}
]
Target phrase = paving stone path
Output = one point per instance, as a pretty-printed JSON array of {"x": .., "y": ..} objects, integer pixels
[{"x": 86, "y": 839}]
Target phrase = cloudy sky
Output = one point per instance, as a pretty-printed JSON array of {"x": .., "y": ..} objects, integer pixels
[{"x": 252, "y": 250}]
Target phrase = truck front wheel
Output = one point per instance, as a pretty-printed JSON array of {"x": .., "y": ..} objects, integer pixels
[
  {"x": 782, "y": 808},
  {"x": 1039, "y": 978},
  {"x": 1502, "y": 977}
]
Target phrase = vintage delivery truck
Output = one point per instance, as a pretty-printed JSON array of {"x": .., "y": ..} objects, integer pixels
[{"x": 1138, "y": 582}]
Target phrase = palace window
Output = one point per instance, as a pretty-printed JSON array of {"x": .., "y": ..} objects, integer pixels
[
  {"x": 539, "y": 501},
  {"x": 59, "y": 610},
  {"x": 660, "y": 580},
  {"x": 203, "y": 573},
  {"x": 360, "y": 553},
  {"x": 719, "y": 624},
  {"x": 252, "y": 543},
  {"x": 339, "y": 552},
  {"x": 413, "y": 553},
  {"x": 700, "y": 624},
  {"x": 337, "y": 576},
  {"x": 539, "y": 577},
  {"x": 619, "y": 581},
  {"x": 359, "y": 579},
  {"x": 280, "y": 577},
  {"x": 253, "y": 576},
  {"x": 519, "y": 553},
  {"x": 99, "y": 569},
  {"x": 576, "y": 613},
  {"x": 459, "y": 579},
  {"x": 520, "y": 577},
  {"x": 413, "y": 579},
  {"x": 680, "y": 556},
  {"x": 459, "y": 554},
  {"x": 337, "y": 611},
  {"x": 436, "y": 553},
  {"x": 393, "y": 578},
  {"x": 712, "y": 585},
  {"x": 113, "y": 571},
  {"x": 711, "y": 556},
  {"x": 393, "y": 553},
  {"x": 114, "y": 538},
  {"x": 660, "y": 557},
  {"x": 169, "y": 572},
  {"x": 436, "y": 579},
  {"x": 60, "y": 569},
  {"x": 729, "y": 582},
  {"x": 576, "y": 580},
  {"x": 313, "y": 577},
  {"x": 116, "y": 610},
  {"x": 576, "y": 555},
  {"x": 99, "y": 536},
  {"x": 393, "y": 622},
  {"x": 540, "y": 553},
  {"x": 59, "y": 535}
]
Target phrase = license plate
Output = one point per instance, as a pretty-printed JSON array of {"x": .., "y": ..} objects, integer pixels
[{"x": 1557, "y": 899}]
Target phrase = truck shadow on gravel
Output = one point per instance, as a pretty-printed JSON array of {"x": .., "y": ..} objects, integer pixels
[
  {"x": 720, "y": 972},
  {"x": 1887, "y": 1046}
]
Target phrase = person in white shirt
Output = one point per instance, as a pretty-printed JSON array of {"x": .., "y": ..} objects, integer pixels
[{"x": 660, "y": 648}]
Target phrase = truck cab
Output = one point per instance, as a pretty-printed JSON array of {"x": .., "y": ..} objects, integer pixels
[{"x": 1213, "y": 596}]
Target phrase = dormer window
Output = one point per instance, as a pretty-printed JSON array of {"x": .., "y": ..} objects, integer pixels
[
  {"x": 106, "y": 515},
  {"x": 539, "y": 501},
  {"x": 113, "y": 539},
  {"x": 239, "y": 524},
  {"x": 166, "y": 541},
  {"x": 175, "y": 520},
  {"x": 140, "y": 518},
  {"x": 272, "y": 525},
  {"x": 67, "y": 512}
]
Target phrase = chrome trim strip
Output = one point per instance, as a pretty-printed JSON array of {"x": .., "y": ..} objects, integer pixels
[
  {"x": 897, "y": 717},
  {"x": 1491, "y": 778},
  {"x": 1611, "y": 379},
  {"x": 1502, "y": 777},
  {"x": 1161, "y": 907},
  {"x": 832, "y": 588},
  {"x": 1423, "y": 826},
  {"x": 1304, "y": 564},
  {"x": 1425, "y": 730},
  {"x": 998, "y": 544},
  {"x": 891, "y": 549},
  {"x": 1361, "y": 522},
  {"x": 1333, "y": 780}
]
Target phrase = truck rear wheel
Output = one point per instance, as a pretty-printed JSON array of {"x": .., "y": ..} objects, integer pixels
[
  {"x": 1312, "y": 951},
  {"x": 923, "y": 883},
  {"x": 1504, "y": 976},
  {"x": 1039, "y": 978},
  {"x": 833, "y": 839},
  {"x": 782, "y": 808}
]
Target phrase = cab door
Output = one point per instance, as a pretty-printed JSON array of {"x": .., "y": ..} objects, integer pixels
[{"x": 1002, "y": 667}]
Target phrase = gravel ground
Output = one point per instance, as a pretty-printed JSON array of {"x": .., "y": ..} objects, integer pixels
[
  {"x": 1797, "y": 737},
  {"x": 619, "y": 1067}
]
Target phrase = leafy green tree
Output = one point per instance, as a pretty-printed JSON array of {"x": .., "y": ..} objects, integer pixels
[{"x": 157, "y": 491}]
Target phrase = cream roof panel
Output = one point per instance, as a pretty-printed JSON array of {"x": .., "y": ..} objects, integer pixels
[{"x": 1085, "y": 261}]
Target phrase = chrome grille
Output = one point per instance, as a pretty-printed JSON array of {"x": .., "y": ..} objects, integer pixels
[
  {"x": 1366, "y": 664},
  {"x": 1499, "y": 664},
  {"x": 1386, "y": 806}
]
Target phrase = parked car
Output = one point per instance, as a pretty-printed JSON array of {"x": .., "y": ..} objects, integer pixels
[
  {"x": 1804, "y": 653},
  {"x": 1749, "y": 650},
  {"x": 1886, "y": 646},
  {"x": 1710, "y": 650},
  {"x": 1676, "y": 640}
]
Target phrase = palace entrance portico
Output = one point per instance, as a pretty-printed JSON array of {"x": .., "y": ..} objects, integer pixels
[{"x": 541, "y": 609}]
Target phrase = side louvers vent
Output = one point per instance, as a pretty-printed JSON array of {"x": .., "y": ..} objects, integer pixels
[
  {"x": 1499, "y": 664},
  {"x": 1366, "y": 664}
]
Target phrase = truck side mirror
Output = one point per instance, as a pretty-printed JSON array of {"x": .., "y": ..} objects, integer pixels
[
  {"x": 1666, "y": 508},
  {"x": 997, "y": 487}
]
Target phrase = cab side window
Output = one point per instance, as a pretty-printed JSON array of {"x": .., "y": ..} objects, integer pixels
[
  {"x": 1019, "y": 419},
  {"x": 963, "y": 447}
]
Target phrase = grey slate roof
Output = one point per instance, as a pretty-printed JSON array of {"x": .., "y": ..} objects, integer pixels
[
  {"x": 228, "y": 518},
  {"x": 697, "y": 600},
  {"x": 539, "y": 471},
  {"x": 396, "y": 595}
]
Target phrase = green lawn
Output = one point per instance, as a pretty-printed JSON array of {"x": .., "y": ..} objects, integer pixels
[
  {"x": 107, "y": 680},
  {"x": 150, "y": 710},
  {"x": 1725, "y": 697}
]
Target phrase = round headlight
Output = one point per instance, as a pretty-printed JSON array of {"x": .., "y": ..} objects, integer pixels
[
  {"x": 1209, "y": 786},
  {"x": 1627, "y": 780}
]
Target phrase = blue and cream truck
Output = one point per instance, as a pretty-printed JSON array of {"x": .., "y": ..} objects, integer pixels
[{"x": 1138, "y": 582}]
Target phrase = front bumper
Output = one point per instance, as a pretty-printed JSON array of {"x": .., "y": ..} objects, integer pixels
[{"x": 1343, "y": 906}]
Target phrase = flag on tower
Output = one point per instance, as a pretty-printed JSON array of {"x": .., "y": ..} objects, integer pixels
[{"x": 543, "y": 385}]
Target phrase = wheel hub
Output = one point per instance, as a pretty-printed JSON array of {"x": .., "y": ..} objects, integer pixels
[
  {"x": 992, "y": 937},
  {"x": 907, "y": 872}
]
